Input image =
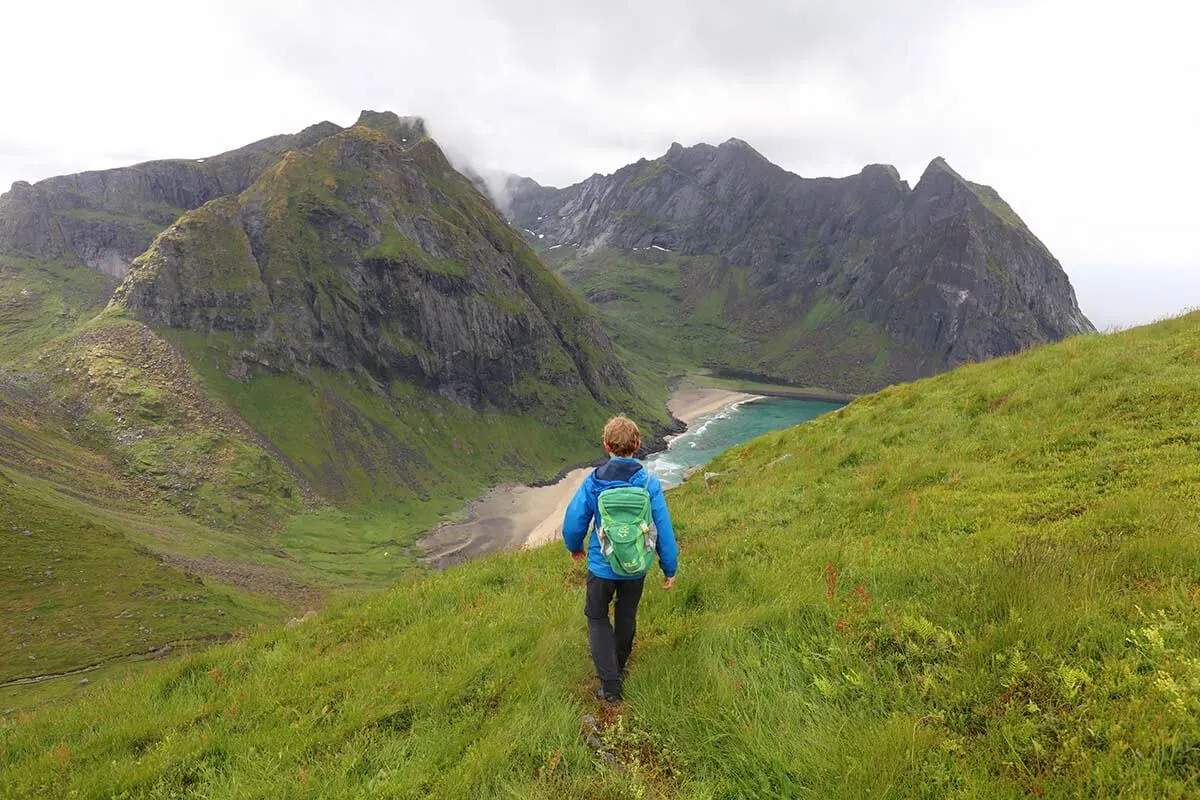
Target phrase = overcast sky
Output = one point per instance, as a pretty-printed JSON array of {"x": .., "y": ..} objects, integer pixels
[{"x": 1084, "y": 114}]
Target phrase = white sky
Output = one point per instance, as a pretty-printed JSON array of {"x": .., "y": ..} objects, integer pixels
[{"x": 1085, "y": 116}]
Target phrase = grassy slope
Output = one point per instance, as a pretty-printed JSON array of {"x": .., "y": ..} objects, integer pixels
[
  {"x": 682, "y": 313},
  {"x": 84, "y": 580},
  {"x": 643, "y": 299},
  {"x": 323, "y": 422},
  {"x": 41, "y": 300},
  {"x": 980, "y": 585},
  {"x": 91, "y": 572}
]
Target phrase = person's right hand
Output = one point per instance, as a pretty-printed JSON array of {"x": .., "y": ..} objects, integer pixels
[{"x": 669, "y": 582}]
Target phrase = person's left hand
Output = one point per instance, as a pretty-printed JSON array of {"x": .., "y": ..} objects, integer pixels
[{"x": 578, "y": 556}]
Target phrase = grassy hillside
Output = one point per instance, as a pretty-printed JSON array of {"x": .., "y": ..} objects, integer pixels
[
  {"x": 93, "y": 572},
  {"x": 682, "y": 313},
  {"x": 984, "y": 584},
  {"x": 42, "y": 299},
  {"x": 316, "y": 372}
]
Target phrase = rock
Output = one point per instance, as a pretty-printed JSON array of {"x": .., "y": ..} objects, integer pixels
[
  {"x": 84, "y": 681},
  {"x": 294, "y": 621},
  {"x": 592, "y": 736}
]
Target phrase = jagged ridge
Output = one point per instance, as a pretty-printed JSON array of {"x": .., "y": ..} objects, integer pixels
[{"x": 924, "y": 278}]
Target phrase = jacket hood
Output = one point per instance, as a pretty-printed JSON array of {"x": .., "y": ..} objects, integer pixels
[{"x": 619, "y": 471}]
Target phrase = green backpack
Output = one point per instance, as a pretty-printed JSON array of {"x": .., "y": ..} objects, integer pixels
[{"x": 627, "y": 539}]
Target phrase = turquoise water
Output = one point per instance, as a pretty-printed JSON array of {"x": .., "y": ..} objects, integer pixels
[{"x": 709, "y": 436}]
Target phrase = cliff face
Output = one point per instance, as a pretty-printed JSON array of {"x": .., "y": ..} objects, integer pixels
[
  {"x": 861, "y": 268},
  {"x": 973, "y": 281},
  {"x": 107, "y": 218},
  {"x": 368, "y": 250}
]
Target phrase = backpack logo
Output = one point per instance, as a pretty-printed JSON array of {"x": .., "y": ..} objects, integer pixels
[{"x": 627, "y": 538}]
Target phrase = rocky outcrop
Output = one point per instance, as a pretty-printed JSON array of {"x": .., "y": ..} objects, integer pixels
[
  {"x": 107, "y": 218},
  {"x": 369, "y": 250},
  {"x": 925, "y": 277}
]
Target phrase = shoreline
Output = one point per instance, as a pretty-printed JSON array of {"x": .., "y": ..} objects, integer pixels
[
  {"x": 802, "y": 394},
  {"x": 688, "y": 405},
  {"x": 512, "y": 517}
]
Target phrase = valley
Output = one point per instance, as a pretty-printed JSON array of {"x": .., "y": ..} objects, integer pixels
[{"x": 281, "y": 430}]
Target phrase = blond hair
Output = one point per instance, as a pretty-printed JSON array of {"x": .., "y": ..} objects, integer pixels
[{"x": 622, "y": 437}]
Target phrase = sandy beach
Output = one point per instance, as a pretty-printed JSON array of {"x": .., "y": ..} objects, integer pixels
[
  {"x": 691, "y": 404},
  {"x": 511, "y": 517}
]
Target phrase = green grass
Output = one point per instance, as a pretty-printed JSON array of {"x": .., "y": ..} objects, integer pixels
[
  {"x": 42, "y": 300},
  {"x": 993, "y": 202},
  {"x": 79, "y": 586},
  {"x": 984, "y": 584},
  {"x": 147, "y": 227},
  {"x": 397, "y": 248},
  {"x": 680, "y": 314},
  {"x": 645, "y": 300}
]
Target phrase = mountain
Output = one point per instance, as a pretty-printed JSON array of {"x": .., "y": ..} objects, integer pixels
[
  {"x": 852, "y": 618},
  {"x": 847, "y": 283},
  {"x": 327, "y": 343},
  {"x": 363, "y": 252},
  {"x": 107, "y": 218}
]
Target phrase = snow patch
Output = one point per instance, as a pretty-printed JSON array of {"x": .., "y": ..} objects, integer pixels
[
  {"x": 555, "y": 247},
  {"x": 541, "y": 236},
  {"x": 531, "y": 233},
  {"x": 664, "y": 249}
]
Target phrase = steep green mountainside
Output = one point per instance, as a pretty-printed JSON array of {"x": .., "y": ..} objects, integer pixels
[
  {"x": 342, "y": 346},
  {"x": 89, "y": 576},
  {"x": 850, "y": 283},
  {"x": 983, "y": 584}
]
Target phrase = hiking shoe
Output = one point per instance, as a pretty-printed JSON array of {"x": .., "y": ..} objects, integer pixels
[{"x": 610, "y": 696}]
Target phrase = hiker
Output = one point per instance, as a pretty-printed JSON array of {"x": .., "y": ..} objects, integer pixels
[{"x": 626, "y": 507}]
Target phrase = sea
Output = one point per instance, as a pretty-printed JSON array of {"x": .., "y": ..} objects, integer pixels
[{"x": 712, "y": 435}]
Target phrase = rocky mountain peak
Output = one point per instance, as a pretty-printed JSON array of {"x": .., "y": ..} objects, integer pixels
[
  {"x": 939, "y": 164},
  {"x": 885, "y": 171},
  {"x": 17, "y": 190},
  {"x": 940, "y": 180},
  {"x": 403, "y": 130},
  {"x": 733, "y": 143},
  {"x": 106, "y": 218}
]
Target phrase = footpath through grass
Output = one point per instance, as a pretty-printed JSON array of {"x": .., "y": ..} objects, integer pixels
[{"x": 986, "y": 584}]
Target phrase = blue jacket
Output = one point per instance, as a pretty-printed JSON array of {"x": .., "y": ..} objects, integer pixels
[{"x": 582, "y": 511}]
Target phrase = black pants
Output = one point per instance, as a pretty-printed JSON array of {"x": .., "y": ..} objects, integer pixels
[{"x": 611, "y": 649}]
